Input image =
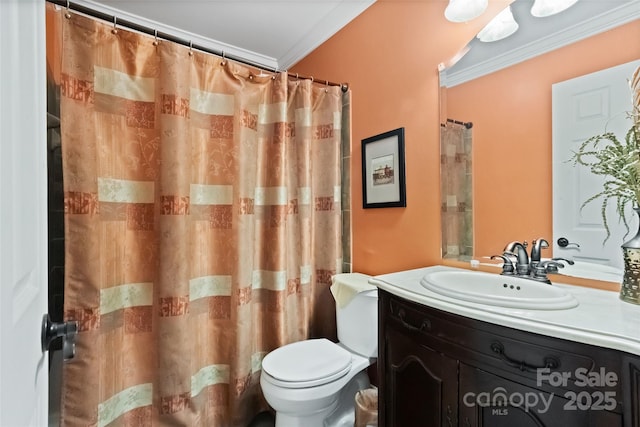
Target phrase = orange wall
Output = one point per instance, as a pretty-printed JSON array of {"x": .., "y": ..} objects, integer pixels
[
  {"x": 512, "y": 169},
  {"x": 389, "y": 56}
]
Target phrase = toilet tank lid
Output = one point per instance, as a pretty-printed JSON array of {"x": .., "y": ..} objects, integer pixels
[{"x": 307, "y": 360}]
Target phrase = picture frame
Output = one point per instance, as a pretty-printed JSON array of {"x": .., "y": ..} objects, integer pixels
[{"x": 383, "y": 170}]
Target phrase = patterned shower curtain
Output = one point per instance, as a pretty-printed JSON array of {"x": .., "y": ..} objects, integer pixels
[
  {"x": 203, "y": 225},
  {"x": 456, "y": 191}
]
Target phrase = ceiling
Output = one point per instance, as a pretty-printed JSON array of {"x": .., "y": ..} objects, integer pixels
[
  {"x": 276, "y": 34},
  {"x": 539, "y": 35},
  {"x": 270, "y": 33}
]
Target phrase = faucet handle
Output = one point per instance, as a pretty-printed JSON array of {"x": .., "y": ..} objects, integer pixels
[
  {"x": 507, "y": 265},
  {"x": 551, "y": 265},
  {"x": 568, "y": 261},
  {"x": 541, "y": 269}
]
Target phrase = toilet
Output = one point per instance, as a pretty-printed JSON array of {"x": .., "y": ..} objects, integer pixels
[{"x": 313, "y": 383}]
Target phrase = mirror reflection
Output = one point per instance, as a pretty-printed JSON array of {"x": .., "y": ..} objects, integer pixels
[{"x": 508, "y": 98}]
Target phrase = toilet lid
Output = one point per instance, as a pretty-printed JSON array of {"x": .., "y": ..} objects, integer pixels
[{"x": 307, "y": 363}]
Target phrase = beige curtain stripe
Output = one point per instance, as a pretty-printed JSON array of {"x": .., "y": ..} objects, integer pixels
[
  {"x": 272, "y": 280},
  {"x": 337, "y": 121},
  {"x": 303, "y": 117},
  {"x": 306, "y": 271},
  {"x": 218, "y": 104},
  {"x": 337, "y": 193},
  {"x": 125, "y": 191},
  {"x": 256, "y": 361},
  {"x": 272, "y": 113},
  {"x": 124, "y": 296},
  {"x": 207, "y": 376},
  {"x": 135, "y": 88},
  {"x": 304, "y": 195},
  {"x": 201, "y": 194},
  {"x": 124, "y": 401},
  {"x": 209, "y": 286},
  {"x": 266, "y": 196}
]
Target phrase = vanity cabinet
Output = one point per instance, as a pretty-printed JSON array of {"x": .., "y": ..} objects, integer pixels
[{"x": 440, "y": 369}]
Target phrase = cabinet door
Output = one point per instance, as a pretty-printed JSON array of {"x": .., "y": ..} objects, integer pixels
[
  {"x": 487, "y": 400},
  {"x": 422, "y": 384},
  {"x": 631, "y": 380}
]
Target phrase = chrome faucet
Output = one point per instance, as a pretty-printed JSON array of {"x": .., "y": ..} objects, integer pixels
[
  {"x": 529, "y": 267},
  {"x": 536, "y": 250},
  {"x": 519, "y": 250}
]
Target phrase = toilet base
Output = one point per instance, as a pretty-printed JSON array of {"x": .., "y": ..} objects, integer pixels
[{"x": 340, "y": 413}]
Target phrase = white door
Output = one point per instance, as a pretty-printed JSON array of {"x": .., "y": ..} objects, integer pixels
[
  {"x": 583, "y": 107},
  {"x": 23, "y": 213}
]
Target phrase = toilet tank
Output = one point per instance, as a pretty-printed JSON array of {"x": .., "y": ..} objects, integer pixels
[{"x": 357, "y": 323}]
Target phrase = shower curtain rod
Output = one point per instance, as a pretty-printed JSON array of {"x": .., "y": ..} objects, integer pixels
[
  {"x": 468, "y": 125},
  {"x": 170, "y": 37}
]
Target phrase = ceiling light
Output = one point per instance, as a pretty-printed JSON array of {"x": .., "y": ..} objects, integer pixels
[
  {"x": 465, "y": 10},
  {"x": 503, "y": 25},
  {"x": 542, "y": 8}
]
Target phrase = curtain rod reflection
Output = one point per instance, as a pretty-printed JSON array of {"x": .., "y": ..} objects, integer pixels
[
  {"x": 468, "y": 125},
  {"x": 172, "y": 38}
]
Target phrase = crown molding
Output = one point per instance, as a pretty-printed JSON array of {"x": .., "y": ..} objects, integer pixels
[
  {"x": 230, "y": 51},
  {"x": 615, "y": 17},
  {"x": 343, "y": 13}
]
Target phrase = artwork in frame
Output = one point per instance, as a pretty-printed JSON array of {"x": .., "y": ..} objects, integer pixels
[{"x": 383, "y": 179}]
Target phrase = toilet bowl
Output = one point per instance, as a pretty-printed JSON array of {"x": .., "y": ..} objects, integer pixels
[{"x": 313, "y": 383}]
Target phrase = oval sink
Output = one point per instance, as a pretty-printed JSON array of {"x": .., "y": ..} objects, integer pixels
[{"x": 498, "y": 290}]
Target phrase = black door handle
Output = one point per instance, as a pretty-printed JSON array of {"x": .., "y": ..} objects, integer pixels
[
  {"x": 563, "y": 242},
  {"x": 65, "y": 330}
]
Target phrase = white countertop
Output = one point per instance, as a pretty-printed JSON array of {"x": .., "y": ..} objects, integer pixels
[{"x": 601, "y": 317}]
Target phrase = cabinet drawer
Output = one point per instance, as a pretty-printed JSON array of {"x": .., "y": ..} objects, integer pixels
[
  {"x": 539, "y": 361},
  {"x": 549, "y": 365}
]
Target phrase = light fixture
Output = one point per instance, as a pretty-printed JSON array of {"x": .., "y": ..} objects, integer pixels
[
  {"x": 542, "y": 8},
  {"x": 465, "y": 10},
  {"x": 501, "y": 26}
]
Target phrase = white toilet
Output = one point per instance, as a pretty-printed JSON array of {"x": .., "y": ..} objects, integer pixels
[{"x": 313, "y": 383}]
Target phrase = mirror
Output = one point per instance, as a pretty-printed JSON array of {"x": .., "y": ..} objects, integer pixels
[{"x": 504, "y": 89}]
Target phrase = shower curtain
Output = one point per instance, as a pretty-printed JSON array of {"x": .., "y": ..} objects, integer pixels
[
  {"x": 456, "y": 190},
  {"x": 203, "y": 225}
]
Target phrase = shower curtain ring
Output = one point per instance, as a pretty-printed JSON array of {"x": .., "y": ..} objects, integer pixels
[
  {"x": 190, "y": 48},
  {"x": 155, "y": 38},
  {"x": 224, "y": 61},
  {"x": 67, "y": 14},
  {"x": 115, "y": 22},
  {"x": 326, "y": 89}
]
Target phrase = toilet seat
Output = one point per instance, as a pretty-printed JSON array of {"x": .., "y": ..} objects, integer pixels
[{"x": 308, "y": 363}]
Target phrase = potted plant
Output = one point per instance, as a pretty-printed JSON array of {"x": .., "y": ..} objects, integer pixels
[{"x": 619, "y": 162}]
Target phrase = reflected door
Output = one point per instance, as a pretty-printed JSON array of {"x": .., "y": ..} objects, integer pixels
[{"x": 583, "y": 107}]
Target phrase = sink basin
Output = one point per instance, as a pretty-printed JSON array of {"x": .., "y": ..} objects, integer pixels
[{"x": 497, "y": 290}]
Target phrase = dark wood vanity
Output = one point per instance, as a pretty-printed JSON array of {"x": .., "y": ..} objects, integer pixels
[{"x": 442, "y": 369}]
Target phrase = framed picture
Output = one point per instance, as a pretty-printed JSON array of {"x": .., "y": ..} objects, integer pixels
[{"x": 383, "y": 181}]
